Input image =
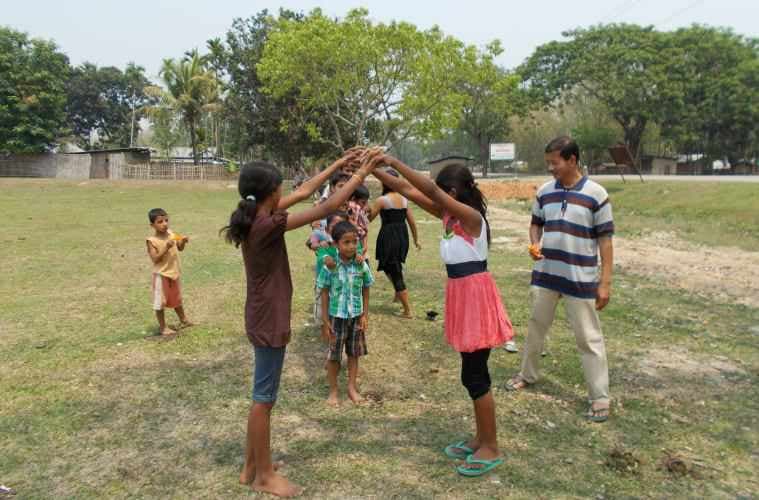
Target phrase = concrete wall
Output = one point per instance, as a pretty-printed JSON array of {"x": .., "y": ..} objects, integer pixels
[
  {"x": 72, "y": 166},
  {"x": 50, "y": 165}
]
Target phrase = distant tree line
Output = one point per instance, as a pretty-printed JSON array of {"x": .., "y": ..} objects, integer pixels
[{"x": 295, "y": 88}]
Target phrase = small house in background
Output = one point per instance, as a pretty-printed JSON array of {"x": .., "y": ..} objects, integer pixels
[
  {"x": 103, "y": 161},
  {"x": 73, "y": 163},
  {"x": 437, "y": 165},
  {"x": 658, "y": 165}
]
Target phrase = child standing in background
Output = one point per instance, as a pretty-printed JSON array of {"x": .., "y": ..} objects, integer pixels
[
  {"x": 336, "y": 181},
  {"x": 358, "y": 215},
  {"x": 163, "y": 248},
  {"x": 345, "y": 309},
  {"x": 322, "y": 245}
]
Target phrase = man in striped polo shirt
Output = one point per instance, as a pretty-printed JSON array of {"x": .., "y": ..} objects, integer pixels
[{"x": 572, "y": 217}]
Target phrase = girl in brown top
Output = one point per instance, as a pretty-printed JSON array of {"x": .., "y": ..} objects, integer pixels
[{"x": 258, "y": 225}]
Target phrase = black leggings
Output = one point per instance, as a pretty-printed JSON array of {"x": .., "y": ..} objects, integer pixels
[
  {"x": 474, "y": 372},
  {"x": 395, "y": 274}
]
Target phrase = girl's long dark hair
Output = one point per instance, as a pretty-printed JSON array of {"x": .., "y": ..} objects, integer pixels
[
  {"x": 258, "y": 180},
  {"x": 388, "y": 189},
  {"x": 460, "y": 178}
]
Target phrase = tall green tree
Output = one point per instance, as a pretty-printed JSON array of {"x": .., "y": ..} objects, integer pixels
[
  {"x": 33, "y": 75},
  {"x": 592, "y": 126},
  {"x": 491, "y": 96},
  {"x": 719, "y": 115},
  {"x": 389, "y": 79},
  {"x": 625, "y": 67},
  {"x": 165, "y": 121},
  {"x": 192, "y": 90},
  {"x": 258, "y": 122},
  {"x": 108, "y": 101}
]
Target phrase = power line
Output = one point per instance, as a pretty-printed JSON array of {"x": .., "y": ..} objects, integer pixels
[
  {"x": 679, "y": 12},
  {"x": 628, "y": 8},
  {"x": 620, "y": 9}
]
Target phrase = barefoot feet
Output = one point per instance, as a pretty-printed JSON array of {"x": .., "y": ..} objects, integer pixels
[
  {"x": 247, "y": 476},
  {"x": 354, "y": 395},
  {"x": 276, "y": 485},
  {"x": 333, "y": 400}
]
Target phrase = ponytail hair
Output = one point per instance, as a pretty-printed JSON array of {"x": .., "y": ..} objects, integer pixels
[
  {"x": 460, "y": 178},
  {"x": 258, "y": 181}
]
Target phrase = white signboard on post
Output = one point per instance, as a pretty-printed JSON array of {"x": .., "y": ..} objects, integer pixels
[{"x": 502, "y": 151}]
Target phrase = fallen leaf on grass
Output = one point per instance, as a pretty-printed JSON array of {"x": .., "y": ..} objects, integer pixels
[
  {"x": 679, "y": 466},
  {"x": 622, "y": 460},
  {"x": 374, "y": 398}
]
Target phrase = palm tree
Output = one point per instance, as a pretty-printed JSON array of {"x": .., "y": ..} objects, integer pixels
[{"x": 193, "y": 90}]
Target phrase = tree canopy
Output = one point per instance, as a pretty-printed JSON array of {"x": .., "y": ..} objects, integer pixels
[
  {"x": 626, "y": 67},
  {"x": 192, "y": 89},
  {"x": 102, "y": 99},
  {"x": 33, "y": 76},
  {"x": 371, "y": 82},
  {"x": 490, "y": 96},
  {"x": 719, "y": 112},
  {"x": 292, "y": 86},
  {"x": 260, "y": 122}
]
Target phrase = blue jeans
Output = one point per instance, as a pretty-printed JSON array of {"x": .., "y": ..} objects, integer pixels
[{"x": 267, "y": 372}]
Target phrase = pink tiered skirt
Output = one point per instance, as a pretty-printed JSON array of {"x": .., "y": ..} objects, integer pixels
[{"x": 474, "y": 314}]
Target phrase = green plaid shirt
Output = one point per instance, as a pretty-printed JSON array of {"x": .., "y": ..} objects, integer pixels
[{"x": 346, "y": 285}]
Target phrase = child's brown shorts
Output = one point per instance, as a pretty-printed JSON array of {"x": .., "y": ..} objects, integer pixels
[
  {"x": 166, "y": 293},
  {"x": 348, "y": 337}
]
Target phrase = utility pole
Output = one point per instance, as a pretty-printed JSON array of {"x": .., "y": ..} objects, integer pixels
[{"x": 131, "y": 133}]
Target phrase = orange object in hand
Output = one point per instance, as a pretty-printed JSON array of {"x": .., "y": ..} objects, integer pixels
[
  {"x": 535, "y": 251},
  {"x": 177, "y": 237}
]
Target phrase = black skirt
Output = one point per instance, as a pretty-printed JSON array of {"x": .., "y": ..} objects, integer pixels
[{"x": 392, "y": 240}]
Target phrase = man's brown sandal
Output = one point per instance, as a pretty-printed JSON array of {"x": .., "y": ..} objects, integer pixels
[{"x": 516, "y": 383}]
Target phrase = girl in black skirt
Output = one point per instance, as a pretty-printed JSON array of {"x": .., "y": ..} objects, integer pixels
[{"x": 392, "y": 240}]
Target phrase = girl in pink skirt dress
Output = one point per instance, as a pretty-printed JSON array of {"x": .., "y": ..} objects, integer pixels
[{"x": 475, "y": 319}]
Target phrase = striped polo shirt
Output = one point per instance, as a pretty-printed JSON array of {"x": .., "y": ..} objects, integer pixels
[{"x": 572, "y": 219}]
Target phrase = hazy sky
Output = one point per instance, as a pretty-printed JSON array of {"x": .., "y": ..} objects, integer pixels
[{"x": 109, "y": 32}]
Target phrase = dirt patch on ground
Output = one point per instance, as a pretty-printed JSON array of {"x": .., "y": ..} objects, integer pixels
[
  {"x": 657, "y": 362},
  {"x": 726, "y": 273},
  {"x": 511, "y": 190}
]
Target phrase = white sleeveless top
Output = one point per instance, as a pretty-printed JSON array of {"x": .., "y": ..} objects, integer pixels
[
  {"x": 388, "y": 203},
  {"x": 457, "y": 246}
]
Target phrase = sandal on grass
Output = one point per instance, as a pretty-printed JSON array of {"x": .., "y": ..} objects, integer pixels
[
  {"x": 598, "y": 415},
  {"x": 516, "y": 383},
  {"x": 463, "y": 450},
  {"x": 486, "y": 466}
]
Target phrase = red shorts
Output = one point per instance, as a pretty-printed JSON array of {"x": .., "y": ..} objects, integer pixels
[{"x": 166, "y": 293}]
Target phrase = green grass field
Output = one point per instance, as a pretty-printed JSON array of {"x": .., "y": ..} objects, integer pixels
[
  {"x": 708, "y": 213},
  {"x": 93, "y": 406}
]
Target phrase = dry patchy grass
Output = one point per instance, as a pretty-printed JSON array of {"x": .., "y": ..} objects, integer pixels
[{"x": 92, "y": 408}]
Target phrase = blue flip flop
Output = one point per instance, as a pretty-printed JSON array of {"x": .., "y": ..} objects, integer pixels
[
  {"x": 459, "y": 455},
  {"x": 487, "y": 466}
]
